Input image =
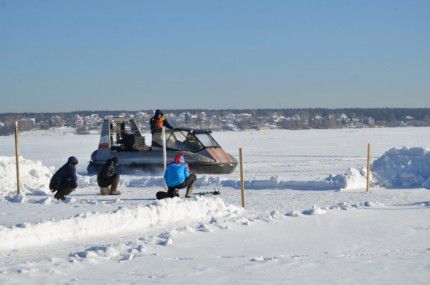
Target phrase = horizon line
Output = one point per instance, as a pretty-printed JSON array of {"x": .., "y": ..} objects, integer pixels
[{"x": 224, "y": 109}]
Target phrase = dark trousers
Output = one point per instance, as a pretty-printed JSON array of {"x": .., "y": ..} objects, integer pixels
[
  {"x": 108, "y": 181},
  {"x": 188, "y": 183},
  {"x": 63, "y": 191}
]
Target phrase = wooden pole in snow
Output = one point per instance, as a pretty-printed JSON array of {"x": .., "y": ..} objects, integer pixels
[
  {"x": 163, "y": 138},
  {"x": 242, "y": 182},
  {"x": 368, "y": 168},
  {"x": 18, "y": 180}
]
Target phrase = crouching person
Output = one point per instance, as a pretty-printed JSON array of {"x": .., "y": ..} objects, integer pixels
[
  {"x": 65, "y": 180},
  {"x": 177, "y": 176},
  {"x": 108, "y": 179}
]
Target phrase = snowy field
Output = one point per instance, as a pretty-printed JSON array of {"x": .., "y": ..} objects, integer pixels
[{"x": 308, "y": 219}]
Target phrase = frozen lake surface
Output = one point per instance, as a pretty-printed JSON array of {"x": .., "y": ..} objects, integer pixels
[{"x": 284, "y": 236}]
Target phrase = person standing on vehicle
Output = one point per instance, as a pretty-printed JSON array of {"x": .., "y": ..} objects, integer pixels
[
  {"x": 178, "y": 176},
  {"x": 64, "y": 181},
  {"x": 108, "y": 177},
  {"x": 158, "y": 121}
]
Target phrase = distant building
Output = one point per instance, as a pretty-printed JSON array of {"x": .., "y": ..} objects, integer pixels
[
  {"x": 370, "y": 122},
  {"x": 93, "y": 121},
  {"x": 78, "y": 121},
  {"x": 318, "y": 122},
  {"x": 330, "y": 122},
  {"x": 56, "y": 121},
  {"x": 26, "y": 124}
]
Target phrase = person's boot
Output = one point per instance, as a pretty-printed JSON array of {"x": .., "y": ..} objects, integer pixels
[
  {"x": 189, "y": 193},
  {"x": 59, "y": 196},
  {"x": 172, "y": 193},
  {"x": 104, "y": 190},
  {"x": 114, "y": 186},
  {"x": 192, "y": 180}
]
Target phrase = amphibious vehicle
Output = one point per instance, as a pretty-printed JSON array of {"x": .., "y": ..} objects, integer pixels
[{"x": 120, "y": 137}]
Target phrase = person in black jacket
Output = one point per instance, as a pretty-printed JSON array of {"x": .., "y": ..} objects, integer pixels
[
  {"x": 108, "y": 177},
  {"x": 65, "y": 180},
  {"x": 157, "y": 122}
]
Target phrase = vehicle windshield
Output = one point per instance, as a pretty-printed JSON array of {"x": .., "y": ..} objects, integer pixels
[
  {"x": 183, "y": 140},
  {"x": 207, "y": 140}
]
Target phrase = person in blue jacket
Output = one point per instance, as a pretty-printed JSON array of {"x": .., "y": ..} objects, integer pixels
[
  {"x": 178, "y": 176},
  {"x": 65, "y": 179}
]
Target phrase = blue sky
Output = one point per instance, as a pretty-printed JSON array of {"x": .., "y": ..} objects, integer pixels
[{"x": 101, "y": 55}]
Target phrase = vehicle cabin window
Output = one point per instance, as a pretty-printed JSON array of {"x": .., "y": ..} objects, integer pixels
[
  {"x": 176, "y": 141},
  {"x": 186, "y": 141},
  {"x": 193, "y": 144},
  {"x": 207, "y": 140},
  {"x": 123, "y": 136}
]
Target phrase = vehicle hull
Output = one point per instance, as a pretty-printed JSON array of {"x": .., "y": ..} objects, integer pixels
[{"x": 154, "y": 168}]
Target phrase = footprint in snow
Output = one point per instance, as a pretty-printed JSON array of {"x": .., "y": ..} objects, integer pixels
[
  {"x": 203, "y": 228},
  {"x": 165, "y": 239},
  {"x": 262, "y": 259},
  {"x": 293, "y": 213}
]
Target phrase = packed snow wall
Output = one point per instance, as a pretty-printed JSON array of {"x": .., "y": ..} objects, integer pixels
[
  {"x": 403, "y": 168},
  {"x": 34, "y": 176},
  {"x": 396, "y": 168}
]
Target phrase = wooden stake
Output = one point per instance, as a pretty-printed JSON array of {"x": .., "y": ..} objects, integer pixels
[
  {"x": 163, "y": 138},
  {"x": 241, "y": 177},
  {"x": 368, "y": 168},
  {"x": 18, "y": 180}
]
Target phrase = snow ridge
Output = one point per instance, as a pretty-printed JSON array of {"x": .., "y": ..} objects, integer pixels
[
  {"x": 123, "y": 220},
  {"x": 352, "y": 179}
]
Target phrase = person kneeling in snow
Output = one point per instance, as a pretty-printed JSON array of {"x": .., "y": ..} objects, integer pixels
[
  {"x": 65, "y": 180},
  {"x": 108, "y": 177},
  {"x": 178, "y": 176}
]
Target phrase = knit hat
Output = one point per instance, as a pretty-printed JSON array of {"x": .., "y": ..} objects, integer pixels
[
  {"x": 72, "y": 160},
  {"x": 179, "y": 158}
]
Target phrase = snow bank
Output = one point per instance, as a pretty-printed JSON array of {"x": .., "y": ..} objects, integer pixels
[
  {"x": 397, "y": 168},
  {"x": 34, "y": 176},
  {"x": 403, "y": 168},
  {"x": 161, "y": 213},
  {"x": 344, "y": 206},
  {"x": 353, "y": 179}
]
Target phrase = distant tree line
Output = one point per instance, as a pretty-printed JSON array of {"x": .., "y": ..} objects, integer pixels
[{"x": 377, "y": 116}]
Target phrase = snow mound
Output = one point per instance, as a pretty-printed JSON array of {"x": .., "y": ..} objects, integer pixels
[
  {"x": 352, "y": 180},
  {"x": 124, "y": 220},
  {"x": 343, "y": 206},
  {"x": 34, "y": 176},
  {"x": 403, "y": 168},
  {"x": 315, "y": 210}
]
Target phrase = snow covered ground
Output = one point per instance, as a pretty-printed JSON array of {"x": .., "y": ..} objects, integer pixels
[{"x": 297, "y": 228}]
